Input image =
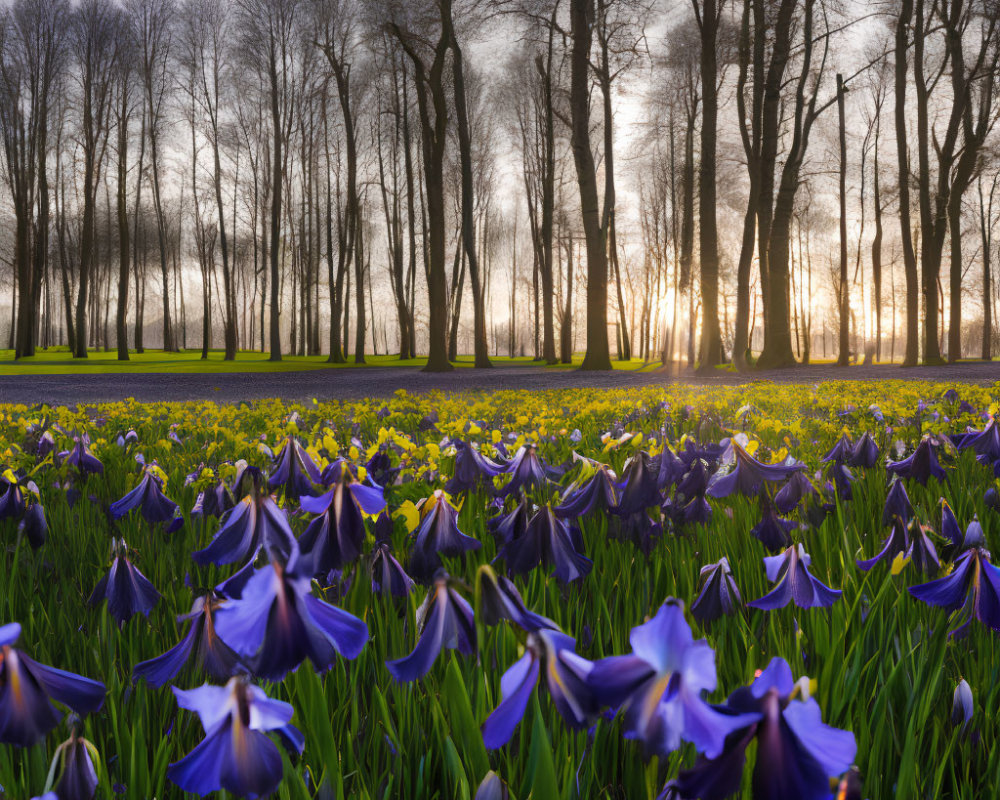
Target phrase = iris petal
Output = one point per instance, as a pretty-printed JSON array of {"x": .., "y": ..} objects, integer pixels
[
  {"x": 157, "y": 671},
  {"x": 347, "y": 633},
  {"x": 10, "y": 633},
  {"x": 83, "y": 695},
  {"x": 833, "y": 748},
  {"x": 614, "y": 679},
  {"x": 200, "y": 771},
  {"x": 499, "y": 726},
  {"x": 950, "y": 591}
]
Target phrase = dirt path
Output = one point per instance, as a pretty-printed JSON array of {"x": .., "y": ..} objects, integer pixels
[{"x": 381, "y": 382}]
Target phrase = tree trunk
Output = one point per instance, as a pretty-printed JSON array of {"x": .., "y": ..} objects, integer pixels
[
  {"x": 597, "y": 356},
  {"x": 566, "y": 333},
  {"x": 121, "y": 330},
  {"x": 912, "y": 351},
  {"x": 431, "y": 100},
  {"x": 843, "y": 305},
  {"x": 985, "y": 230},
  {"x": 276, "y": 181},
  {"x": 482, "y": 359},
  {"x": 710, "y": 350},
  {"x": 877, "y": 252}
]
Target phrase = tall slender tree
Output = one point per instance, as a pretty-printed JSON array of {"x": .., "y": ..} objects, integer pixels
[
  {"x": 425, "y": 37},
  {"x": 598, "y": 356}
]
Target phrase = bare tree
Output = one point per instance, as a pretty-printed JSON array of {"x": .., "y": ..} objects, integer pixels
[
  {"x": 339, "y": 42},
  {"x": 482, "y": 359},
  {"x": 32, "y": 60},
  {"x": 153, "y": 22},
  {"x": 597, "y": 356},
  {"x": 126, "y": 99},
  {"x": 205, "y": 32},
  {"x": 268, "y": 30},
  {"x": 425, "y": 36},
  {"x": 708, "y": 15},
  {"x": 95, "y": 41}
]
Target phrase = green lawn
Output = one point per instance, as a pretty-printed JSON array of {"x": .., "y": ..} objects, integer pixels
[{"x": 57, "y": 361}]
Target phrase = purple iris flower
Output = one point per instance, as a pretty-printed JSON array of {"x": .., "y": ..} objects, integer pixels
[
  {"x": 253, "y": 523},
  {"x": 12, "y": 502},
  {"x": 637, "y": 528},
  {"x": 599, "y": 493},
  {"x": 921, "y": 552},
  {"x": 841, "y": 480},
  {"x": 772, "y": 531},
  {"x": 294, "y": 470},
  {"x": 991, "y": 498},
  {"x": 549, "y": 653},
  {"x": 659, "y": 687},
  {"x": 840, "y": 452},
  {"x": 985, "y": 443},
  {"x": 437, "y": 535},
  {"x": 236, "y": 754},
  {"x": 388, "y": 575},
  {"x": 46, "y": 445},
  {"x": 148, "y": 497},
  {"x": 952, "y": 531},
  {"x": 124, "y": 440},
  {"x": 973, "y": 584},
  {"x": 336, "y": 536},
  {"x": 526, "y": 469},
  {"x": 380, "y": 468},
  {"x": 865, "y": 453},
  {"x": 27, "y": 688},
  {"x": 797, "y": 753},
  {"x": 962, "y": 705},
  {"x": 670, "y": 469},
  {"x": 34, "y": 526},
  {"x": 212, "y": 655},
  {"x": 916, "y": 548},
  {"x": 472, "y": 469},
  {"x": 897, "y": 505},
  {"x": 639, "y": 490},
  {"x": 127, "y": 590},
  {"x": 920, "y": 465},
  {"x": 710, "y": 453},
  {"x": 72, "y": 773},
  {"x": 492, "y": 788},
  {"x": 213, "y": 501},
  {"x": 695, "y": 512},
  {"x": 334, "y": 472},
  {"x": 445, "y": 620},
  {"x": 499, "y": 600},
  {"x": 791, "y": 494},
  {"x": 695, "y": 481},
  {"x": 719, "y": 594},
  {"x": 895, "y": 543},
  {"x": 510, "y": 526},
  {"x": 748, "y": 475},
  {"x": 82, "y": 459},
  {"x": 688, "y": 505},
  {"x": 789, "y": 572},
  {"x": 550, "y": 541},
  {"x": 276, "y": 623}
]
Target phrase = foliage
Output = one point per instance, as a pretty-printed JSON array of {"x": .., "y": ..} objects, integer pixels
[{"x": 882, "y": 662}]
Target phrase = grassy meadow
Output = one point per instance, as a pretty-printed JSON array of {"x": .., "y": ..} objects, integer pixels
[{"x": 883, "y": 664}]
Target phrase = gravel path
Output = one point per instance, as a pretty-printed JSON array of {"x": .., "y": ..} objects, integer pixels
[{"x": 352, "y": 384}]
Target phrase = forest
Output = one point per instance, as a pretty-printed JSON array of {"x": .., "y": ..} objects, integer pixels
[{"x": 697, "y": 182}]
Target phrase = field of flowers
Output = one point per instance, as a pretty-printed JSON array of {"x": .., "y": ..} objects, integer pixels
[{"x": 768, "y": 592}]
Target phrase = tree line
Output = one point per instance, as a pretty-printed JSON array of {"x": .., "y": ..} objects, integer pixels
[{"x": 676, "y": 180}]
